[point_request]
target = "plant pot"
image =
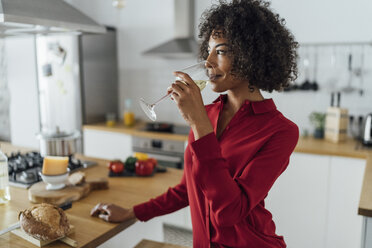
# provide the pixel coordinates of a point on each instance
(319, 133)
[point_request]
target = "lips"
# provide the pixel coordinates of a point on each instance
(213, 77)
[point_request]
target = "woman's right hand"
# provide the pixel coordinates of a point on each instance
(112, 212)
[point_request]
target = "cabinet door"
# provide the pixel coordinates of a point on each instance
(298, 201)
(344, 228)
(107, 145)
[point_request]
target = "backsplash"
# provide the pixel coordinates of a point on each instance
(4, 95)
(326, 64)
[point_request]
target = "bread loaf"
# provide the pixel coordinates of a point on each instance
(44, 222)
(77, 178)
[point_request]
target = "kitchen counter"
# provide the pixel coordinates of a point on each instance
(125, 192)
(136, 130)
(350, 148)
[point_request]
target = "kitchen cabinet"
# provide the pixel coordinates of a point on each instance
(317, 199)
(298, 201)
(344, 227)
(107, 145)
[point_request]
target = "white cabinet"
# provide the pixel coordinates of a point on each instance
(345, 184)
(315, 202)
(107, 145)
(298, 201)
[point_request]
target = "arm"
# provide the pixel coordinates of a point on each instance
(232, 199)
(174, 199)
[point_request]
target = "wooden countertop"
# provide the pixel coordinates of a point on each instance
(350, 148)
(153, 244)
(125, 192)
(136, 130)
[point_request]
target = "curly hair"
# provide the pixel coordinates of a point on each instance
(263, 50)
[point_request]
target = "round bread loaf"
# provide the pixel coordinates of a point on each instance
(44, 222)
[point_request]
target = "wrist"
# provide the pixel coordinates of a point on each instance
(201, 130)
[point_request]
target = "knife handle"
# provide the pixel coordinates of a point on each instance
(66, 205)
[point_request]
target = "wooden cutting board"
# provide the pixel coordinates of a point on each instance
(19, 232)
(38, 193)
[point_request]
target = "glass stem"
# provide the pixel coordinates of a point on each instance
(161, 99)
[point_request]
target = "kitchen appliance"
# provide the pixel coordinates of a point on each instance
(169, 153)
(23, 169)
(367, 135)
(77, 84)
(58, 143)
(22, 17)
(183, 45)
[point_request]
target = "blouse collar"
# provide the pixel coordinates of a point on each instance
(257, 107)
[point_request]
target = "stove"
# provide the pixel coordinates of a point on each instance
(24, 169)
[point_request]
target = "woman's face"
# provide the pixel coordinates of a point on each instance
(220, 58)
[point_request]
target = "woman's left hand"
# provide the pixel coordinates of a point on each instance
(188, 98)
(190, 104)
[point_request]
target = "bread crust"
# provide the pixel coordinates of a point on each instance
(44, 222)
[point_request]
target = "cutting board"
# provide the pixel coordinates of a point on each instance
(38, 193)
(19, 232)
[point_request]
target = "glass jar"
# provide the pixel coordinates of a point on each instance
(4, 179)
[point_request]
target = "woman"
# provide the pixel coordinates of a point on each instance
(239, 144)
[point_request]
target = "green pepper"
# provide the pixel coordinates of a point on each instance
(130, 164)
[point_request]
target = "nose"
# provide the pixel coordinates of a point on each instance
(210, 68)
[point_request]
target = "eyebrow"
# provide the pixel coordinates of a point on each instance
(221, 44)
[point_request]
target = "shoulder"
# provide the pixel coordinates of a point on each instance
(285, 127)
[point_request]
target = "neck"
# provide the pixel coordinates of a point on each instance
(235, 99)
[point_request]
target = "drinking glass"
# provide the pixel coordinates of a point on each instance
(199, 72)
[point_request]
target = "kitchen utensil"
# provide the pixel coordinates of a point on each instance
(38, 193)
(73, 243)
(315, 85)
(367, 134)
(64, 206)
(349, 88)
(306, 85)
(336, 121)
(199, 72)
(58, 143)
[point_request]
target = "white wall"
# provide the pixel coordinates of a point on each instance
(140, 27)
(143, 24)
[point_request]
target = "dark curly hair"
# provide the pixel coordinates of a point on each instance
(263, 50)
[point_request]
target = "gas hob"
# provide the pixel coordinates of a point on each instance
(23, 169)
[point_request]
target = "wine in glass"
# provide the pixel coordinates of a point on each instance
(199, 72)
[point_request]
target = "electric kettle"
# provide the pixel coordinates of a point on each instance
(367, 135)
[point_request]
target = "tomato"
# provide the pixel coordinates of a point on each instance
(153, 161)
(111, 163)
(144, 168)
(117, 167)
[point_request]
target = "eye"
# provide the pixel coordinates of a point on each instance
(221, 52)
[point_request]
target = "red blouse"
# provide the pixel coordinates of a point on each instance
(226, 179)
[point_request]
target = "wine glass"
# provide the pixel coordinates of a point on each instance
(199, 72)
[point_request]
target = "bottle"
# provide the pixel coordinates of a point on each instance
(128, 116)
(4, 179)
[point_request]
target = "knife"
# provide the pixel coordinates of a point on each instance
(64, 206)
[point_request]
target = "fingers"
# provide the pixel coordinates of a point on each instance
(183, 77)
(104, 217)
(96, 210)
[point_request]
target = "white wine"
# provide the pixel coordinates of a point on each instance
(201, 84)
(4, 179)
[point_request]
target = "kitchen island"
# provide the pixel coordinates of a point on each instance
(350, 149)
(89, 231)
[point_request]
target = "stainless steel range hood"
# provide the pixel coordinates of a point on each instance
(183, 45)
(22, 17)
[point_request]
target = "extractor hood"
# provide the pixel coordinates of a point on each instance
(183, 45)
(21, 17)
